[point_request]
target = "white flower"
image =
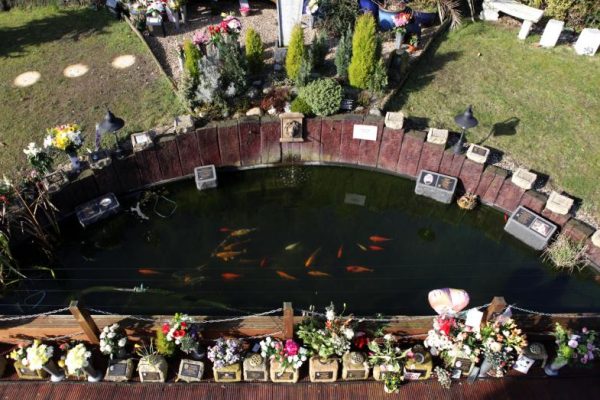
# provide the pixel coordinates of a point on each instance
(32, 150)
(48, 141)
(114, 327)
(103, 335)
(122, 342)
(349, 333)
(388, 337)
(111, 335)
(330, 314)
(102, 342)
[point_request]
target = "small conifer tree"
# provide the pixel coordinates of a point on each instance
(192, 55)
(295, 54)
(343, 54)
(254, 52)
(365, 54)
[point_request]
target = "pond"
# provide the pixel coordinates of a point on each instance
(309, 235)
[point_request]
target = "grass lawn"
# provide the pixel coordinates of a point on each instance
(540, 106)
(47, 40)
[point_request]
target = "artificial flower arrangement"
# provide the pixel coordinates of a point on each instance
(502, 343)
(230, 26)
(288, 354)
(573, 347)
(37, 358)
(39, 159)
(180, 330)
(38, 355)
(401, 20)
(113, 341)
(66, 138)
(77, 362)
(387, 360)
(226, 355)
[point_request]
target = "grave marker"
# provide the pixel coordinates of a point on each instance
(530, 228)
(551, 33)
(588, 42)
(436, 186)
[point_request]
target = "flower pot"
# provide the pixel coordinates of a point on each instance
(323, 370)
(486, 366)
(398, 41)
(92, 374)
(386, 19)
(75, 164)
(25, 373)
(256, 368)
(354, 366)
(552, 368)
(229, 373)
(411, 48)
(418, 367)
(281, 375)
(56, 375)
(369, 6)
(153, 369)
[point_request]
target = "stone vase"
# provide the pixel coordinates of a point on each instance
(354, 366)
(25, 373)
(56, 375)
(323, 370)
(75, 163)
(398, 40)
(283, 375)
(552, 368)
(256, 368)
(486, 366)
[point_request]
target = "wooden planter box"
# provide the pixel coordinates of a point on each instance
(25, 373)
(119, 370)
(323, 370)
(280, 375)
(156, 372)
(354, 366)
(230, 373)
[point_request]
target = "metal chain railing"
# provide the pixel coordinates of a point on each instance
(31, 316)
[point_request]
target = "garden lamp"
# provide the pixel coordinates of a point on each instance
(465, 120)
(112, 124)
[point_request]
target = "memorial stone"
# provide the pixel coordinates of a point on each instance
(436, 186)
(551, 33)
(588, 42)
(206, 177)
(530, 228)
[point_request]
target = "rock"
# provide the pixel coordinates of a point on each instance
(254, 111)
(559, 204)
(524, 178)
(375, 111)
(479, 154)
(596, 239)
(437, 136)
(393, 120)
(184, 124)
(359, 109)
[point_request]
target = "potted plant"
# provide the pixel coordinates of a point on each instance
(573, 347)
(388, 9)
(413, 44)
(401, 21)
(152, 366)
(502, 343)
(19, 355)
(286, 359)
(77, 362)
(226, 355)
(113, 342)
(66, 138)
(37, 358)
(245, 11)
(387, 360)
(326, 340)
(184, 335)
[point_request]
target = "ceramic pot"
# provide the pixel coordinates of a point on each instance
(92, 374)
(56, 375)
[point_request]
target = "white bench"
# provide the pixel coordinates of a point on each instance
(529, 15)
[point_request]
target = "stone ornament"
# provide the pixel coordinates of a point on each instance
(478, 154)
(354, 366)
(323, 370)
(418, 367)
(119, 370)
(524, 178)
(394, 120)
(437, 136)
(190, 370)
(229, 373)
(559, 204)
(255, 368)
(537, 352)
(141, 141)
(153, 370)
(280, 375)
(55, 181)
(291, 127)
(206, 177)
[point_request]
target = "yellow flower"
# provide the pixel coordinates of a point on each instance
(61, 363)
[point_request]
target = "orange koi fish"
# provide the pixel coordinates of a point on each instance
(360, 246)
(228, 276)
(148, 271)
(232, 246)
(356, 269)
(241, 232)
(286, 276)
(229, 255)
(378, 239)
(318, 273)
(312, 257)
(263, 262)
(340, 251)
(375, 248)
(224, 230)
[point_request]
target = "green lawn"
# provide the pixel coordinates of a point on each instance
(545, 104)
(49, 39)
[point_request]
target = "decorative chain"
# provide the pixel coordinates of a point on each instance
(263, 336)
(31, 316)
(525, 310)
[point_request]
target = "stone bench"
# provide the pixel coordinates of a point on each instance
(529, 15)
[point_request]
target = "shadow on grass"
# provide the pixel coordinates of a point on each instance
(71, 24)
(504, 128)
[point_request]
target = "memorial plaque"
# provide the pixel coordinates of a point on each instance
(97, 209)
(99, 159)
(206, 177)
(551, 33)
(151, 376)
(436, 186)
(226, 375)
(119, 370)
(412, 374)
(588, 42)
(365, 132)
(55, 181)
(190, 370)
(355, 199)
(530, 228)
(356, 374)
(255, 375)
(464, 365)
(323, 375)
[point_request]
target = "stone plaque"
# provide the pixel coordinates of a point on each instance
(285, 376)
(190, 370)
(551, 33)
(355, 199)
(97, 209)
(323, 375)
(588, 42)
(206, 177)
(365, 132)
(151, 376)
(119, 370)
(464, 365)
(436, 186)
(255, 375)
(412, 374)
(55, 181)
(99, 159)
(141, 141)
(289, 13)
(356, 374)
(530, 228)
(291, 127)
(226, 375)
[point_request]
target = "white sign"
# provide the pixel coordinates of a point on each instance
(588, 42)
(473, 320)
(551, 33)
(289, 14)
(523, 364)
(365, 132)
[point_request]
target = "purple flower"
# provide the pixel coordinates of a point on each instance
(584, 359)
(584, 330)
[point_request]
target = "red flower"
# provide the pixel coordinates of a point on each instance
(361, 341)
(183, 325)
(179, 333)
(166, 328)
(445, 325)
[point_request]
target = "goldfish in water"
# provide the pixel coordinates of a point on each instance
(224, 230)
(148, 271)
(360, 246)
(375, 248)
(263, 262)
(291, 246)
(286, 276)
(310, 260)
(241, 232)
(356, 269)
(318, 273)
(378, 239)
(228, 276)
(229, 255)
(340, 251)
(232, 246)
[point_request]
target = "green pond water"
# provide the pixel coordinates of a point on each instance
(309, 210)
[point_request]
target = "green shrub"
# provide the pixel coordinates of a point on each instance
(338, 15)
(304, 72)
(365, 53)
(343, 54)
(254, 52)
(319, 49)
(323, 96)
(163, 346)
(378, 81)
(187, 89)
(191, 56)
(566, 254)
(295, 54)
(577, 14)
(301, 106)
(233, 67)
(558, 8)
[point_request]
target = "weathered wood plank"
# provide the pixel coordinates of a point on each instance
(168, 157)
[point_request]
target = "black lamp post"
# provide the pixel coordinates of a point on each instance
(465, 120)
(112, 124)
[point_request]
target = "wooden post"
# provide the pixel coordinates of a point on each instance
(84, 319)
(497, 305)
(288, 321)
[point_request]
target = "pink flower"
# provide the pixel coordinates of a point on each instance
(584, 330)
(291, 347)
(401, 19)
(573, 343)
